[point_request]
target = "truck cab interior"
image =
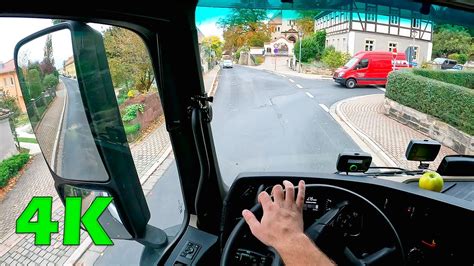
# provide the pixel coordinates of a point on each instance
(368, 217)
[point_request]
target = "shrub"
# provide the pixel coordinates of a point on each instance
(241, 49)
(312, 47)
(334, 59)
(461, 78)
(131, 129)
(131, 111)
(10, 167)
(450, 103)
(50, 81)
(460, 58)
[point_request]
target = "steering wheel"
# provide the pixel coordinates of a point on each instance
(330, 235)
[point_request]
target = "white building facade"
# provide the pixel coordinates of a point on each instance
(369, 27)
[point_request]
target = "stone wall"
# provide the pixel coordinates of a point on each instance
(429, 125)
(152, 110)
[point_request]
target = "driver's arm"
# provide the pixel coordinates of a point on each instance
(281, 226)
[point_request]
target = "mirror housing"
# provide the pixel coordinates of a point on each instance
(103, 118)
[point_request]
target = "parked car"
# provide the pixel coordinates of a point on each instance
(445, 62)
(369, 68)
(227, 63)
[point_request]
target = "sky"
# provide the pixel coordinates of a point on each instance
(13, 30)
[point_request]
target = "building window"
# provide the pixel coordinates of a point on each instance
(344, 44)
(278, 29)
(369, 45)
(5, 81)
(11, 80)
(415, 23)
(371, 12)
(391, 46)
(394, 20)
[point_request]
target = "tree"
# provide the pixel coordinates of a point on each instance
(449, 39)
(10, 103)
(305, 22)
(50, 81)
(312, 46)
(334, 59)
(213, 43)
(47, 65)
(34, 83)
(245, 27)
(129, 61)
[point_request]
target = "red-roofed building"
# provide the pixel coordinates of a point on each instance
(9, 84)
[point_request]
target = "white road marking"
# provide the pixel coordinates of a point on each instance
(283, 75)
(309, 95)
(299, 86)
(382, 89)
(291, 80)
(325, 108)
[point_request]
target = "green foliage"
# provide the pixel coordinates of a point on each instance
(460, 78)
(131, 111)
(132, 129)
(460, 58)
(10, 103)
(50, 81)
(129, 61)
(213, 44)
(450, 103)
(34, 83)
(10, 167)
(27, 140)
(334, 59)
(449, 39)
(312, 47)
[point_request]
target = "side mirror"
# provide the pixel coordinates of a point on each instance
(78, 125)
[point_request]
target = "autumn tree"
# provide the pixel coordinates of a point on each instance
(213, 43)
(305, 21)
(129, 61)
(245, 27)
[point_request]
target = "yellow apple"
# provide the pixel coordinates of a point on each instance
(431, 180)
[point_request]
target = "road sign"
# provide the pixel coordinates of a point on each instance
(275, 51)
(275, 45)
(394, 53)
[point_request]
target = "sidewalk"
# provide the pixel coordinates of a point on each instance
(279, 65)
(366, 115)
(152, 155)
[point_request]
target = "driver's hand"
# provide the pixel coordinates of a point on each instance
(282, 217)
(281, 226)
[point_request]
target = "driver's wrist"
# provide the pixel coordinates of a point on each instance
(299, 247)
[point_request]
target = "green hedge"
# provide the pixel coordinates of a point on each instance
(10, 167)
(132, 129)
(450, 103)
(461, 78)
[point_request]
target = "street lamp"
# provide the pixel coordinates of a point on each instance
(300, 35)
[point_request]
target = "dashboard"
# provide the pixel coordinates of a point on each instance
(434, 229)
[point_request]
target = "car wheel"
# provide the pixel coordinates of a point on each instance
(351, 83)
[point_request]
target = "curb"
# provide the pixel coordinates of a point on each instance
(60, 129)
(381, 158)
(214, 84)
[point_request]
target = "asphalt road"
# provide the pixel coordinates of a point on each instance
(78, 151)
(269, 122)
(262, 122)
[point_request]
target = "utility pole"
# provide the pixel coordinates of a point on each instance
(300, 34)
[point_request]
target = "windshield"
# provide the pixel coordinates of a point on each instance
(281, 108)
(351, 62)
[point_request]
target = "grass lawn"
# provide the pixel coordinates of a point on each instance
(27, 140)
